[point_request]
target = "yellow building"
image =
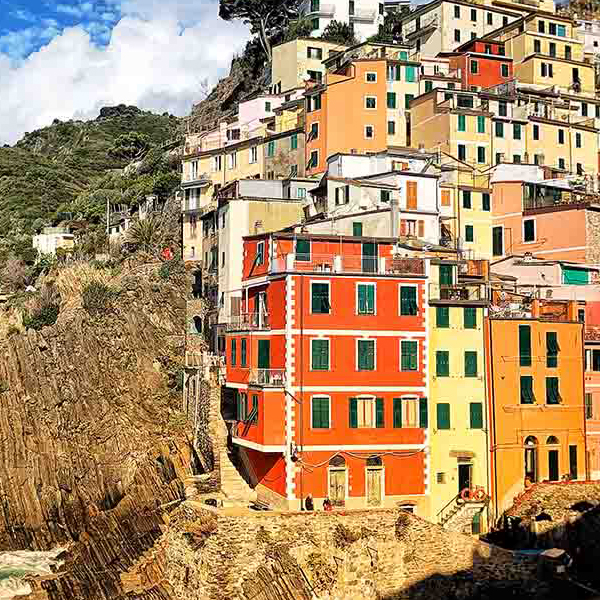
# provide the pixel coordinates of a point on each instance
(458, 423)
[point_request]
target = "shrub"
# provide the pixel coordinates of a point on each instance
(98, 297)
(12, 330)
(15, 275)
(170, 268)
(41, 317)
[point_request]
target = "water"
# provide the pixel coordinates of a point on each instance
(14, 566)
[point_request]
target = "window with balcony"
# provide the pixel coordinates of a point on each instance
(409, 355)
(470, 363)
(408, 301)
(365, 355)
(320, 412)
(319, 300)
(442, 363)
(552, 392)
(365, 298)
(319, 352)
(524, 345)
(527, 396)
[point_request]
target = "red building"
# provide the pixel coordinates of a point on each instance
(482, 63)
(327, 365)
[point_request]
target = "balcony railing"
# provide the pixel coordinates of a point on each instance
(323, 10)
(462, 292)
(336, 263)
(267, 377)
(248, 321)
(362, 14)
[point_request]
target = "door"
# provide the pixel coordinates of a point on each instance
(264, 354)
(262, 309)
(337, 486)
(553, 465)
(464, 477)
(369, 257)
(374, 485)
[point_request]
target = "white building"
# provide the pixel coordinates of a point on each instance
(364, 15)
(589, 31)
(52, 239)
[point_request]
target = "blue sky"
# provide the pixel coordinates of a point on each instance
(67, 59)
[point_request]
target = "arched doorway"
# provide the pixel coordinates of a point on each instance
(553, 462)
(531, 458)
(374, 481)
(337, 480)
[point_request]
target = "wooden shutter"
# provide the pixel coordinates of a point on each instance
(233, 352)
(443, 416)
(527, 396)
(551, 349)
(524, 345)
(442, 317)
(379, 413)
(421, 224)
(302, 250)
(411, 195)
(397, 413)
(476, 414)
(353, 413)
(445, 197)
(470, 364)
(573, 461)
(442, 365)
(470, 316)
(423, 413)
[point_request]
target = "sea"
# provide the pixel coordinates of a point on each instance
(15, 566)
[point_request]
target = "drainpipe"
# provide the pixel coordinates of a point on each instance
(585, 453)
(493, 412)
(487, 413)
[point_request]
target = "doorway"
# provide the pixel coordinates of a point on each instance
(369, 258)
(553, 465)
(264, 354)
(374, 481)
(337, 481)
(531, 458)
(465, 474)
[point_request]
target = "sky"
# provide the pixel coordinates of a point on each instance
(68, 59)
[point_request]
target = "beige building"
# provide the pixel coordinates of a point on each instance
(53, 239)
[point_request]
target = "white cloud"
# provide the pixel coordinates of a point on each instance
(149, 60)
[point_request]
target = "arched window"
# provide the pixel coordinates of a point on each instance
(374, 461)
(197, 324)
(552, 441)
(531, 459)
(337, 461)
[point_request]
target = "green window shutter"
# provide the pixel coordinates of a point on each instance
(397, 413)
(476, 415)
(320, 298)
(407, 100)
(320, 355)
(295, 141)
(442, 317)
(575, 276)
(443, 416)
(527, 389)
(379, 413)
(469, 236)
(353, 408)
(551, 349)
(524, 345)
(552, 393)
(410, 73)
(466, 199)
(233, 352)
(366, 299)
(470, 317)
(357, 229)
(470, 363)
(409, 355)
(442, 363)
(423, 413)
(391, 100)
(485, 201)
(445, 274)
(303, 250)
(462, 123)
(480, 124)
(320, 413)
(428, 86)
(243, 353)
(408, 300)
(366, 355)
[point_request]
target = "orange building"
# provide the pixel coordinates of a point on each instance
(327, 366)
(534, 357)
(592, 398)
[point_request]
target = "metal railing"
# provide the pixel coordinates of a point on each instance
(461, 292)
(267, 377)
(248, 321)
(324, 10)
(363, 14)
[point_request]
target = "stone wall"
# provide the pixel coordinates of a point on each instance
(592, 226)
(379, 554)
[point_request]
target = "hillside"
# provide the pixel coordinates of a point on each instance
(52, 166)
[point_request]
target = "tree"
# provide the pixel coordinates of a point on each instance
(130, 146)
(391, 30)
(338, 32)
(301, 28)
(266, 18)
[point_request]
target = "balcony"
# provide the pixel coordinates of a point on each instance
(461, 292)
(317, 9)
(592, 334)
(248, 322)
(362, 15)
(267, 377)
(336, 263)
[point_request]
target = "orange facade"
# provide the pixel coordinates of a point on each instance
(334, 370)
(482, 64)
(536, 402)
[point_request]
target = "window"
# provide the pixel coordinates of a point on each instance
(410, 412)
(470, 363)
(561, 31)
(365, 350)
(589, 407)
(502, 108)
(442, 317)
(319, 300)
(351, 7)
(524, 345)
(442, 363)
(552, 349)
(371, 102)
(485, 201)
(474, 67)
(462, 152)
(271, 149)
(314, 159)
(516, 159)
(243, 353)
(443, 415)
(490, 18)
(498, 157)
(320, 413)
(369, 132)
(301, 193)
(217, 163)
(366, 412)
(561, 163)
(480, 154)
(365, 298)
(552, 393)
(536, 132)
(595, 360)
(357, 229)
(504, 70)
(386, 195)
(462, 123)
(267, 106)
(579, 168)
(253, 155)
(319, 355)
(314, 23)
(542, 26)
(407, 100)
(314, 132)
(315, 76)
(499, 127)
(233, 160)
(537, 46)
(561, 136)
(466, 198)
(527, 396)
(456, 12)
(473, 15)
(470, 317)
(371, 77)
(302, 250)
(480, 124)
(468, 233)
(294, 141)
(552, 49)
(408, 301)
(573, 462)
(578, 140)
(428, 86)
(409, 355)
(476, 415)
(504, 22)
(516, 131)
(233, 352)
(457, 35)
(391, 127)
(260, 253)
(529, 230)
(391, 99)
(410, 74)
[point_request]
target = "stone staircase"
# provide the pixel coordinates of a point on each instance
(459, 517)
(234, 487)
